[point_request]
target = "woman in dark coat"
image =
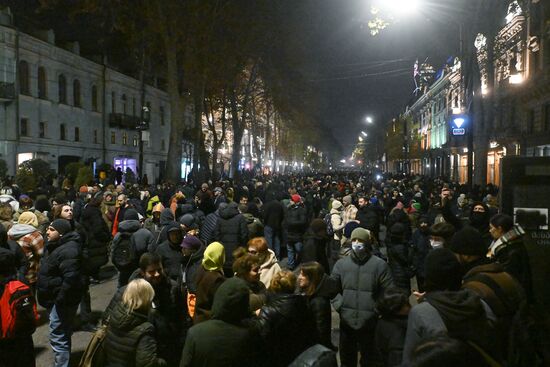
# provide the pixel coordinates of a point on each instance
(98, 236)
(316, 244)
(398, 257)
(285, 323)
(130, 337)
(316, 286)
(247, 267)
(208, 279)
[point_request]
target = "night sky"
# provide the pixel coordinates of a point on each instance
(345, 56)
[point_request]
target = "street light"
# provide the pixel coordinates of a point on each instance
(399, 7)
(360, 139)
(369, 120)
(364, 134)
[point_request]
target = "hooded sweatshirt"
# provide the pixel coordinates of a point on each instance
(32, 243)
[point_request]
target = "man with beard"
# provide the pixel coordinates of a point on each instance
(166, 316)
(359, 277)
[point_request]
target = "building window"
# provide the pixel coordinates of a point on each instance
(24, 127)
(547, 117)
(124, 139)
(24, 78)
(62, 132)
(42, 83)
(162, 145)
(135, 140)
(124, 105)
(76, 93)
(76, 134)
(113, 102)
(42, 129)
(161, 111)
(134, 106)
(94, 98)
(95, 136)
(62, 85)
(531, 122)
(113, 137)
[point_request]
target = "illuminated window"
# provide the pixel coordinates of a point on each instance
(113, 137)
(135, 141)
(124, 139)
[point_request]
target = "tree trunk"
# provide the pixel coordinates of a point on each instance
(177, 113)
(238, 132)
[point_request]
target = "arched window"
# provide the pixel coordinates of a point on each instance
(42, 83)
(76, 93)
(62, 132)
(62, 85)
(76, 134)
(24, 77)
(94, 98)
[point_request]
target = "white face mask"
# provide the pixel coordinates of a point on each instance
(360, 249)
(436, 244)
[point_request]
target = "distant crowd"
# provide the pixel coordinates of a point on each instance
(248, 272)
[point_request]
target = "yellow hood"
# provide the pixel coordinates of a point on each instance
(214, 257)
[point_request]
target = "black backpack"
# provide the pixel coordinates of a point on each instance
(124, 254)
(328, 222)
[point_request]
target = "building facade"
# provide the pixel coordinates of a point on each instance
(61, 107)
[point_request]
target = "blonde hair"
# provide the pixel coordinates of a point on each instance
(283, 282)
(138, 295)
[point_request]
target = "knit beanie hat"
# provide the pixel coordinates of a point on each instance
(214, 257)
(188, 220)
(361, 234)
(468, 241)
(373, 200)
(191, 242)
(443, 271)
(131, 214)
(336, 204)
(28, 218)
(296, 198)
(63, 226)
(349, 228)
(346, 199)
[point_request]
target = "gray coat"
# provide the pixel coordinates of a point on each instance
(359, 282)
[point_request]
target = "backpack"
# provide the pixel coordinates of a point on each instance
(328, 221)
(18, 311)
(94, 353)
(124, 254)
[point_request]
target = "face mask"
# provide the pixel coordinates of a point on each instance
(436, 244)
(478, 217)
(359, 249)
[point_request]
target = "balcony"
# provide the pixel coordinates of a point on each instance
(123, 121)
(7, 91)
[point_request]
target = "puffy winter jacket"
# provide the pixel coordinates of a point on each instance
(398, 257)
(315, 249)
(172, 259)
(60, 279)
(286, 324)
(130, 340)
(319, 303)
(359, 282)
(296, 222)
(98, 235)
(209, 227)
(231, 231)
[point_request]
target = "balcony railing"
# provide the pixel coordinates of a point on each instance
(7, 91)
(123, 121)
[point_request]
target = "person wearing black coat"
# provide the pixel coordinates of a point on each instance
(296, 225)
(398, 257)
(20, 259)
(231, 231)
(316, 244)
(420, 245)
(286, 323)
(167, 220)
(60, 285)
(319, 290)
(170, 253)
(130, 338)
(98, 236)
(368, 216)
(209, 225)
(273, 216)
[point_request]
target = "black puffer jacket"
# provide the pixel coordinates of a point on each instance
(172, 259)
(286, 324)
(296, 222)
(60, 279)
(21, 261)
(398, 258)
(209, 227)
(319, 303)
(274, 215)
(166, 221)
(315, 249)
(368, 218)
(231, 231)
(130, 340)
(98, 237)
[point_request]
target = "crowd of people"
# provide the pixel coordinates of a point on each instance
(248, 273)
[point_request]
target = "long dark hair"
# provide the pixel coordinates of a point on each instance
(314, 273)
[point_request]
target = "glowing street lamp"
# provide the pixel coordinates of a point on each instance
(369, 120)
(360, 139)
(364, 134)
